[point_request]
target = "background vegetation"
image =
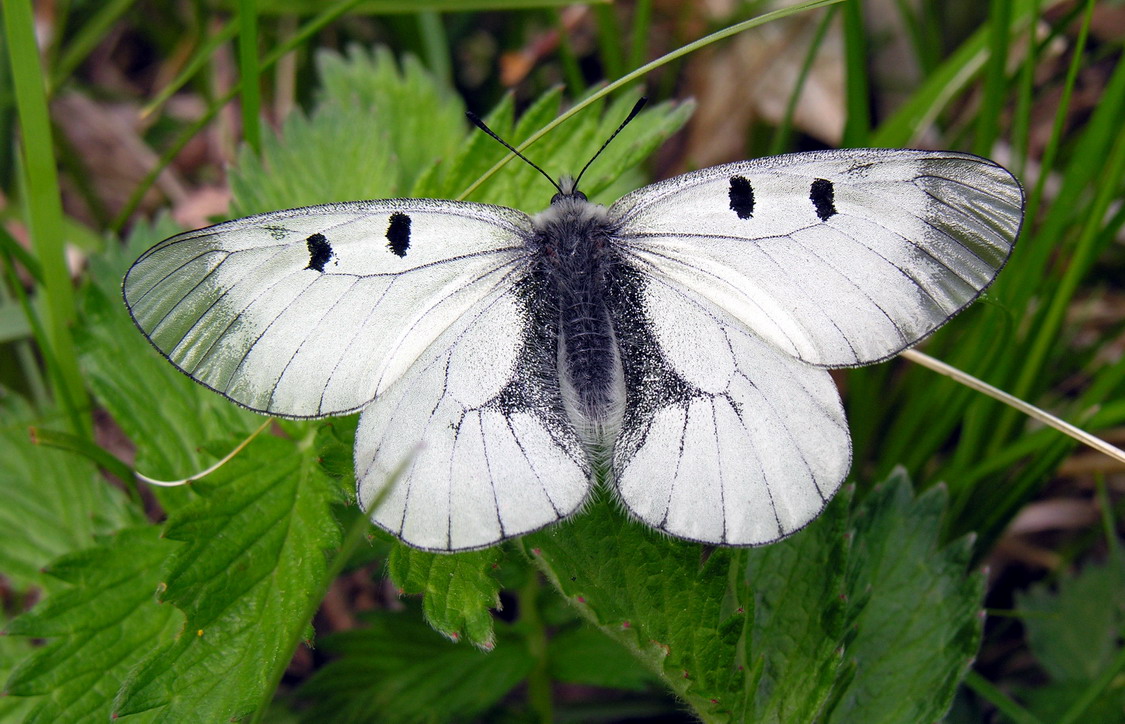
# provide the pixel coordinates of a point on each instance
(259, 593)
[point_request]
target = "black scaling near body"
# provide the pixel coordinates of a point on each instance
(572, 244)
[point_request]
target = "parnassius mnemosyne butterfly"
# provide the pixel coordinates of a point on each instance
(679, 338)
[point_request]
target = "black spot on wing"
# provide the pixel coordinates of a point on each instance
(741, 197)
(823, 197)
(398, 234)
(320, 251)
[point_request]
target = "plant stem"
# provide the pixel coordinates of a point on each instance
(539, 680)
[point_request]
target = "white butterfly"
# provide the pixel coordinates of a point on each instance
(679, 338)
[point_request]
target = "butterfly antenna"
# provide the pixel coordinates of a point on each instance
(632, 114)
(480, 124)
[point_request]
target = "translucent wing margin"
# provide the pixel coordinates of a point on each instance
(312, 312)
(726, 439)
(837, 257)
(473, 446)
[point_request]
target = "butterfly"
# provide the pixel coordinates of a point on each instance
(678, 341)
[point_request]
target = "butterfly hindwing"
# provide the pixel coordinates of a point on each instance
(726, 439)
(474, 445)
(836, 257)
(312, 312)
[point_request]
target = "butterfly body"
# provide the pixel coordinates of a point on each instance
(572, 248)
(678, 338)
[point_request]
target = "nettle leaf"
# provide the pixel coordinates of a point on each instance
(917, 614)
(48, 497)
(584, 655)
(13, 649)
(374, 132)
(398, 669)
(1074, 629)
(458, 590)
(668, 602)
(795, 595)
(876, 624)
(334, 155)
(418, 117)
(97, 629)
(251, 572)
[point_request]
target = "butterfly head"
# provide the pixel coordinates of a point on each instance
(568, 189)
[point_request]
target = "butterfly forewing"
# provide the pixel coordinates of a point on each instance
(312, 312)
(837, 257)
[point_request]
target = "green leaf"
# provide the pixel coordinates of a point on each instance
(375, 130)
(12, 650)
(1075, 630)
(248, 579)
(335, 155)
(97, 629)
(1051, 702)
(664, 600)
(874, 625)
(418, 117)
(795, 595)
(917, 614)
(458, 590)
(397, 669)
(48, 497)
(584, 655)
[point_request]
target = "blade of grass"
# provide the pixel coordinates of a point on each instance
(609, 41)
(1050, 152)
(206, 471)
(638, 41)
(1016, 403)
(995, 77)
(781, 136)
(1021, 120)
(942, 85)
(1093, 145)
(25, 355)
(922, 32)
(857, 126)
(250, 75)
(1031, 365)
(436, 46)
(993, 695)
(44, 211)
